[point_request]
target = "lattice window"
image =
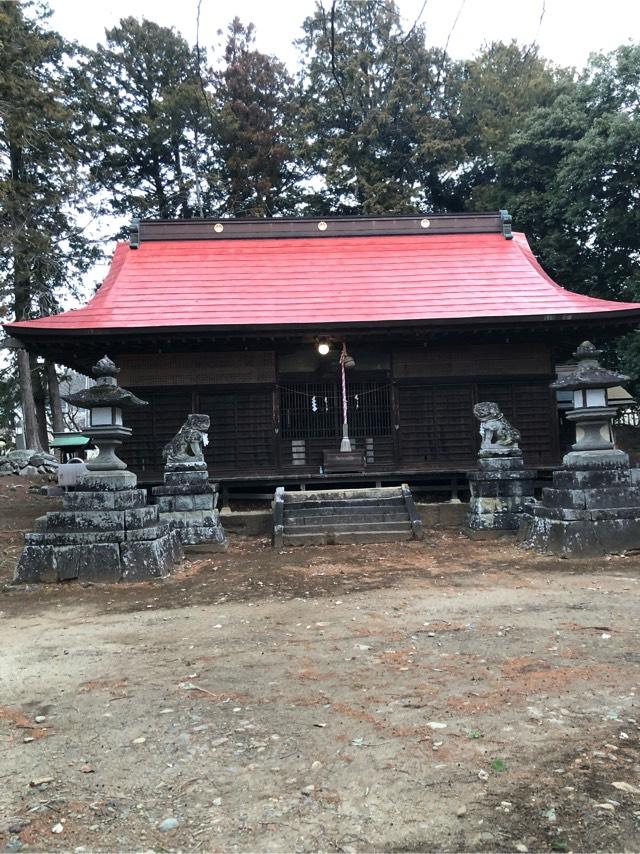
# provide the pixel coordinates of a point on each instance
(314, 410)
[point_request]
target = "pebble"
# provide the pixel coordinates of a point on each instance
(57, 828)
(482, 775)
(140, 740)
(40, 719)
(436, 725)
(521, 847)
(461, 811)
(168, 824)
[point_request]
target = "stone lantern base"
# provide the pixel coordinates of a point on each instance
(592, 509)
(105, 532)
(187, 504)
(499, 489)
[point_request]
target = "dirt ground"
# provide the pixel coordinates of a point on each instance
(438, 696)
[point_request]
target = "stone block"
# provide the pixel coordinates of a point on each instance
(36, 565)
(100, 563)
(67, 561)
(614, 513)
(613, 496)
(186, 467)
(182, 478)
(130, 499)
(183, 502)
(581, 479)
(204, 501)
(568, 514)
(80, 521)
(145, 559)
(552, 497)
(141, 518)
(107, 481)
(206, 542)
(150, 533)
(197, 488)
(79, 538)
(165, 503)
(88, 501)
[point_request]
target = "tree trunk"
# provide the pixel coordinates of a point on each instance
(55, 404)
(30, 422)
(40, 398)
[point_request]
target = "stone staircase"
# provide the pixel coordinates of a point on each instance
(331, 516)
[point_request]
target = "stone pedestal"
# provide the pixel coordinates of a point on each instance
(187, 504)
(499, 490)
(105, 532)
(592, 509)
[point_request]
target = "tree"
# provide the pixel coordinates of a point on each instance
(497, 91)
(146, 111)
(42, 181)
(255, 109)
(375, 116)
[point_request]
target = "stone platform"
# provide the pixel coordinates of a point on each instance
(187, 505)
(105, 532)
(590, 510)
(499, 490)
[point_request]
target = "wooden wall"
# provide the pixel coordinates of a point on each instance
(429, 393)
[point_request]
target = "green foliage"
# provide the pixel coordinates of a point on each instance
(497, 91)
(375, 122)
(145, 109)
(255, 107)
(499, 764)
(43, 190)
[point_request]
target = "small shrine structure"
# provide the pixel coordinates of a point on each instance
(106, 530)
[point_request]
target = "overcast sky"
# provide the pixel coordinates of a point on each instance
(567, 30)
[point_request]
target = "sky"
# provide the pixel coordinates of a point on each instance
(566, 30)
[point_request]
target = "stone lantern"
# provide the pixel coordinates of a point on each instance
(593, 506)
(105, 401)
(591, 413)
(106, 531)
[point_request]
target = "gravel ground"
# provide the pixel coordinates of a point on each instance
(439, 696)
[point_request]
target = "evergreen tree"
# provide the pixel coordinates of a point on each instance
(375, 118)
(252, 142)
(145, 107)
(42, 181)
(497, 91)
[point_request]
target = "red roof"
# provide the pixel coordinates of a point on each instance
(323, 280)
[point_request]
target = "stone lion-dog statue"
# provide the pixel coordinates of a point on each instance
(498, 437)
(186, 447)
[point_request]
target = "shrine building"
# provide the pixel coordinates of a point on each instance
(246, 321)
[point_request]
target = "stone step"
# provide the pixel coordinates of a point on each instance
(344, 494)
(330, 519)
(338, 527)
(317, 503)
(363, 510)
(344, 537)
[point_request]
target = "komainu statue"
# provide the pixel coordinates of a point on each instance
(498, 437)
(186, 445)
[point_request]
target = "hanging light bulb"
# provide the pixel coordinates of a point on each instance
(323, 348)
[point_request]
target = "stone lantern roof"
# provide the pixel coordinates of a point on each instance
(106, 392)
(588, 373)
